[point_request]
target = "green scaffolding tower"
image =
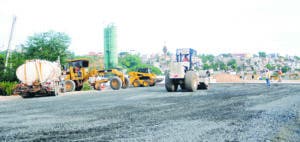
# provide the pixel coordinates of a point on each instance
(110, 47)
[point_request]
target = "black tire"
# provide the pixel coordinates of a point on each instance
(78, 88)
(146, 83)
(125, 84)
(182, 86)
(169, 84)
(70, 86)
(136, 83)
(175, 87)
(191, 81)
(27, 95)
(115, 83)
(202, 86)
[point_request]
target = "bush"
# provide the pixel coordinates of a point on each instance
(86, 86)
(7, 88)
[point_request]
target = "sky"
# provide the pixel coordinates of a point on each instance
(209, 26)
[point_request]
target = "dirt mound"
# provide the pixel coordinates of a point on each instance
(223, 77)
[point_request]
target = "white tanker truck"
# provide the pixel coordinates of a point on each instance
(38, 77)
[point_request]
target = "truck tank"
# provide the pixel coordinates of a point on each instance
(38, 70)
(38, 77)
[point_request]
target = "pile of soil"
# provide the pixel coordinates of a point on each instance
(224, 77)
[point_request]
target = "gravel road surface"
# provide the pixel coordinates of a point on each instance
(225, 112)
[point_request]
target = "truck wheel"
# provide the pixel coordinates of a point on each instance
(115, 83)
(69, 85)
(136, 83)
(182, 86)
(191, 81)
(169, 84)
(202, 86)
(125, 84)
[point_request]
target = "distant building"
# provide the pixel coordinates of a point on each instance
(92, 53)
(242, 55)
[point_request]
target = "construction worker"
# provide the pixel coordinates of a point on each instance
(279, 75)
(268, 76)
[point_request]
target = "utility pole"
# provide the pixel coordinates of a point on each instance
(9, 42)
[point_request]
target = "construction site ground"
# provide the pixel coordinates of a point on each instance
(225, 112)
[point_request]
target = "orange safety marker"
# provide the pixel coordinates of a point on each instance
(102, 86)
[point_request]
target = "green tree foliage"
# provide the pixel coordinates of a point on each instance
(15, 60)
(227, 55)
(232, 64)
(262, 54)
(270, 67)
(219, 65)
(206, 66)
(7, 88)
(130, 61)
(207, 58)
(47, 45)
(285, 69)
(133, 62)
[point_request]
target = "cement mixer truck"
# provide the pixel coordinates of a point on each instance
(38, 77)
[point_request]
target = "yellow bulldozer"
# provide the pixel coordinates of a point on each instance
(142, 77)
(77, 72)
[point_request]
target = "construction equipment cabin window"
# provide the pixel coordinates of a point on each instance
(81, 63)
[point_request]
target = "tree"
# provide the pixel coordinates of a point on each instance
(207, 58)
(262, 54)
(133, 62)
(270, 67)
(47, 45)
(232, 64)
(130, 61)
(285, 69)
(206, 66)
(15, 60)
(226, 55)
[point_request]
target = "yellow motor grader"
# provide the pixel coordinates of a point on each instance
(77, 72)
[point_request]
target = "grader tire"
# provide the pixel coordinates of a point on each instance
(191, 81)
(125, 84)
(169, 84)
(78, 88)
(115, 83)
(69, 85)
